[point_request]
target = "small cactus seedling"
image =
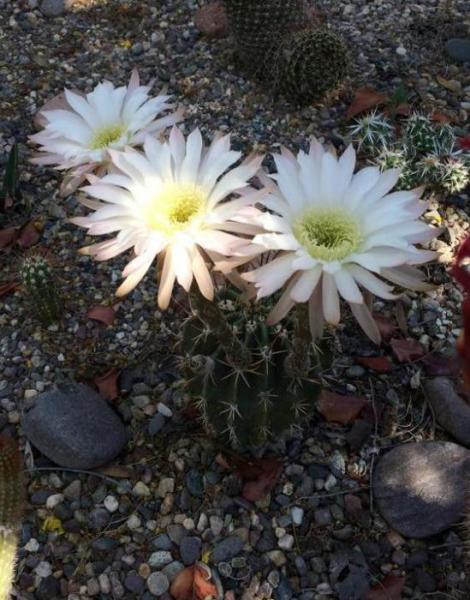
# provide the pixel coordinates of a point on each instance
(11, 505)
(455, 175)
(40, 284)
(420, 134)
(249, 381)
(373, 133)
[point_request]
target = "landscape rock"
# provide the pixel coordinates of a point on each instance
(74, 427)
(227, 549)
(450, 410)
(459, 49)
(420, 487)
(53, 8)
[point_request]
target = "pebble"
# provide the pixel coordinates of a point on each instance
(297, 514)
(32, 545)
(227, 549)
(459, 49)
(451, 411)
(166, 486)
(160, 559)
(133, 522)
(111, 503)
(43, 569)
(158, 584)
(286, 542)
(52, 8)
(216, 525)
(190, 549)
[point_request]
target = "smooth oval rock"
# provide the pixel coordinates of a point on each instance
(53, 8)
(459, 49)
(420, 487)
(450, 410)
(74, 427)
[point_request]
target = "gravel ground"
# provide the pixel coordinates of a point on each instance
(167, 502)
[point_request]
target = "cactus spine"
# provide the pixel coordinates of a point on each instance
(275, 43)
(40, 284)
(11, 501)
(249, 381)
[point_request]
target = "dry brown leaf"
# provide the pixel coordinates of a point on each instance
(389, 588)
(28, 236)
(194, 583)
(380, 364)
(406, 350)
(107, 384)
(365, 99)
(103, 314)
(8, 236)
(9, 286)
(337, 408)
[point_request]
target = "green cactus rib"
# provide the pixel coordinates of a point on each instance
(11, 505)
(40, 285)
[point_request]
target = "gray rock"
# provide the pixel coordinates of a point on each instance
(284, 590)
(420, 487)
(451, 411)
(74, 427)
(158, 584)
(172, 570)
(160, 559)
(162, 542)
(190, 550)
(227, 549)
(459, 49)
(52, 8)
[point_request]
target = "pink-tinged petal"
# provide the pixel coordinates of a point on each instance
(178, 148)
(283, 306)
(182, 265)
(365, 319)
(219, 241)
(134, 81)
(167, 281)
(278, 241)
(379, 257)
(371, 282)
(202, 276)
(347, 287)
(190, 165)
(407, 279)
(81, 106)
(331, 307)
(137, 270)
(306, 284)
(315, 313)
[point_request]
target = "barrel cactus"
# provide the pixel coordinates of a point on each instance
(250, 382)
(275, 43)
(40, 285)
(11, 504)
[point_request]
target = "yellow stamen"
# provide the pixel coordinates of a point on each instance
(328, 235)
(175, 208)
(106, 136)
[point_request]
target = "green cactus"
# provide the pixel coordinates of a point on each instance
(309, 64)
(455, 175)
(257, 27)
(373, 133)
(249, 381)
(11, 506)
(10, 188)
(40, 284)
(420, 134)
(276, 44)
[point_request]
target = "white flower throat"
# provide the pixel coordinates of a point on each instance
(175, 208)
(329, 234)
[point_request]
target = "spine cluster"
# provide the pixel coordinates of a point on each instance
(40, 284)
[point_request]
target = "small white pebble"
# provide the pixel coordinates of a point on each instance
(43, 569)
(164, 410)
(401, 51)
(140, 489)
(32, 545)
(286, 542)
(133, 522)
(111, 504)
(54, 501)
(297, 515)
(30, 393)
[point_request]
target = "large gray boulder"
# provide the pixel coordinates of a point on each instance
(74, 427)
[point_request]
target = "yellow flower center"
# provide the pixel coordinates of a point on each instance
(175, 207)
(328, 235)
(106, 136)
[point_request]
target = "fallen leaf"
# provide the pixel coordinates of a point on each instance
(386, 327)
(365, 99)
(6, 288)
(464, 143)
(211, 19)
(381, 364)
(194, 583)
(107, 384)
(260, 477)
(389, 588)
(118, 471)
(103, 314)
(28, 236)
(8, 236)
(406, 350)
(337, 408)
(437, 364)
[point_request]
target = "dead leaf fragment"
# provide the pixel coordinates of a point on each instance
(28, 236)
(449, 84)
(8, 236)
(103, 314)
(337, 408)
(9, 286)
(107, 384)
(406, 350)
(365, 99)
(194, 583)
(260, 477)
(389, 588)
(380, 364)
